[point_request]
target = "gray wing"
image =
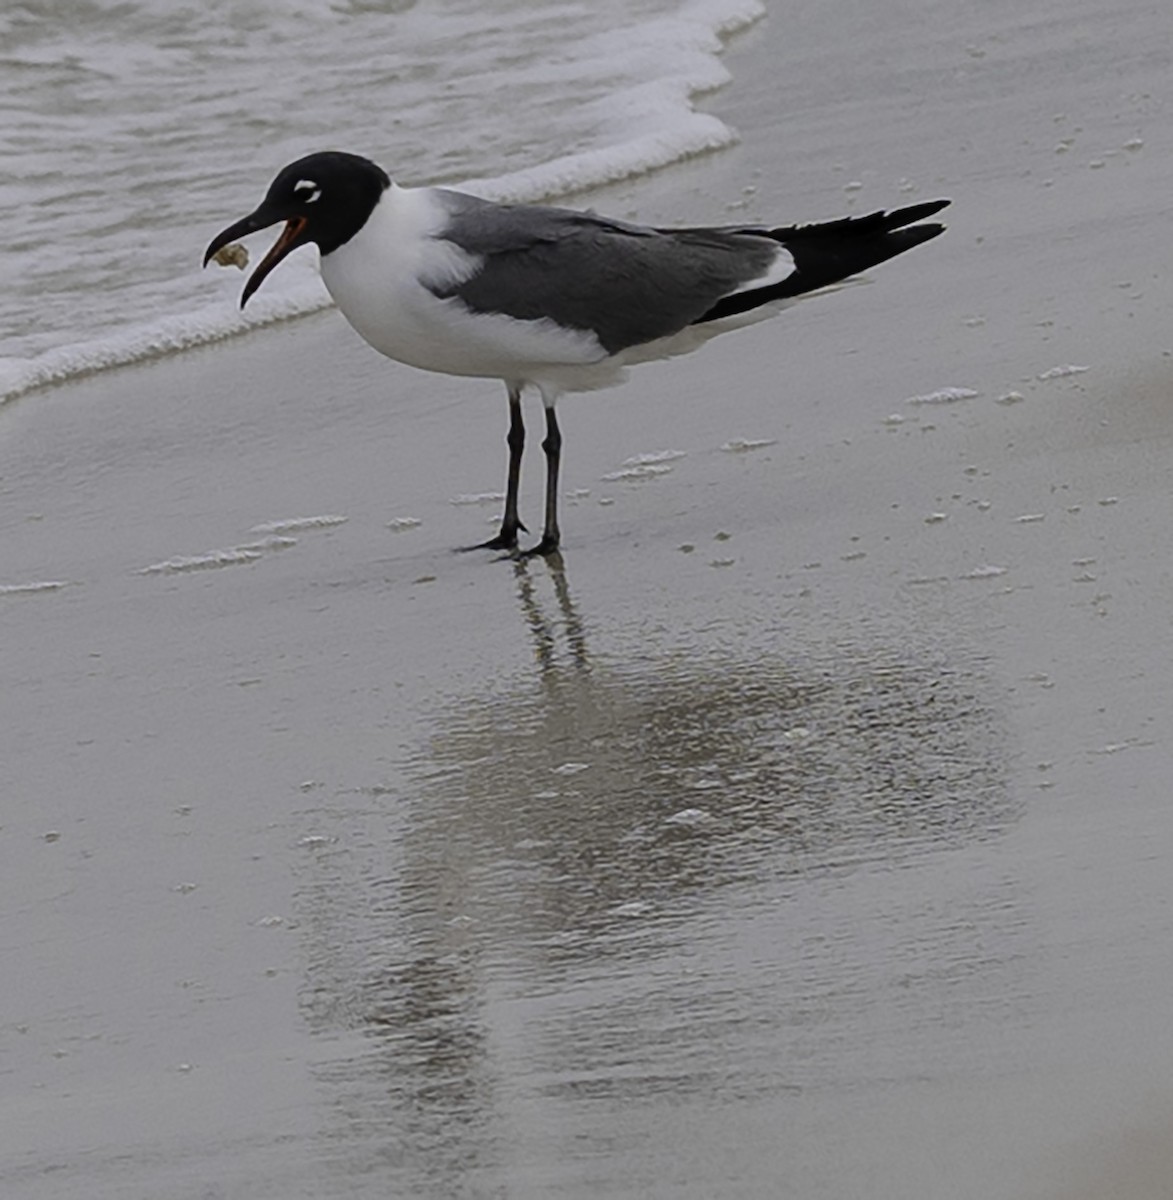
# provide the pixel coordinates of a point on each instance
(627, 284)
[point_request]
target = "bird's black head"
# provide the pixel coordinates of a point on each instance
(324, 198)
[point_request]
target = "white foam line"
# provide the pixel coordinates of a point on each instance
(234, 556)
(211, 561)
(745, 445)
(655, 123)
(655, 456)
(29, 589)
(167, 336)
(590, 169)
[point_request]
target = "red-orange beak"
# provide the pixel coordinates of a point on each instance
(292, 236)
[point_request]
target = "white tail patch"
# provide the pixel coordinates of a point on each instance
(781, 268)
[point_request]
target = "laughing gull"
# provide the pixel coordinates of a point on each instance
(549, 297)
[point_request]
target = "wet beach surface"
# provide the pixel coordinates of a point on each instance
(730, 855)
(805, 832)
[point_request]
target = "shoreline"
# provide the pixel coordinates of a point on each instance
(696, 133)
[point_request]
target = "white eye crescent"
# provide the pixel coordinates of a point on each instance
(308, 185)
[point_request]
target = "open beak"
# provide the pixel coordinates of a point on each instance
(292, 236)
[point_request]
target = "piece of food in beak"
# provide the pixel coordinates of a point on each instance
(232, 255)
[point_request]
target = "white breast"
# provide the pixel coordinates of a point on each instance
(378, 281)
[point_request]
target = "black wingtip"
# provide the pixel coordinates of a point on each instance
(880, 222)
(901, 217)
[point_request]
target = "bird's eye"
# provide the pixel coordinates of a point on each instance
(307, 185)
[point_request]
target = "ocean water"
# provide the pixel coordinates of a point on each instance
(134, 130)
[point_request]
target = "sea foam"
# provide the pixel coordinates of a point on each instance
(167, 335)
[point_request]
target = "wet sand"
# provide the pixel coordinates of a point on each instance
(806, 833)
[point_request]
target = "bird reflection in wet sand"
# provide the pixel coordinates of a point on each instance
(633, 780)
(558, 878)
(543, 630)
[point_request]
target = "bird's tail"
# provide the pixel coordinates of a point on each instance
(832, 251)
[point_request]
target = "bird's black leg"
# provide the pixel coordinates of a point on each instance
(552, 445)
(515, 440)
(511, 524)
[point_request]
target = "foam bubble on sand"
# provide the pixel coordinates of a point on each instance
(213, 560)
(274, 542)
(233, 556)
(403, 524)
(745, 445)
(1062, 372)
(298, 524)
(654, 456)
(945, 395)
(477, 498)
(638, 473)
(31, 589)
(689, 817)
